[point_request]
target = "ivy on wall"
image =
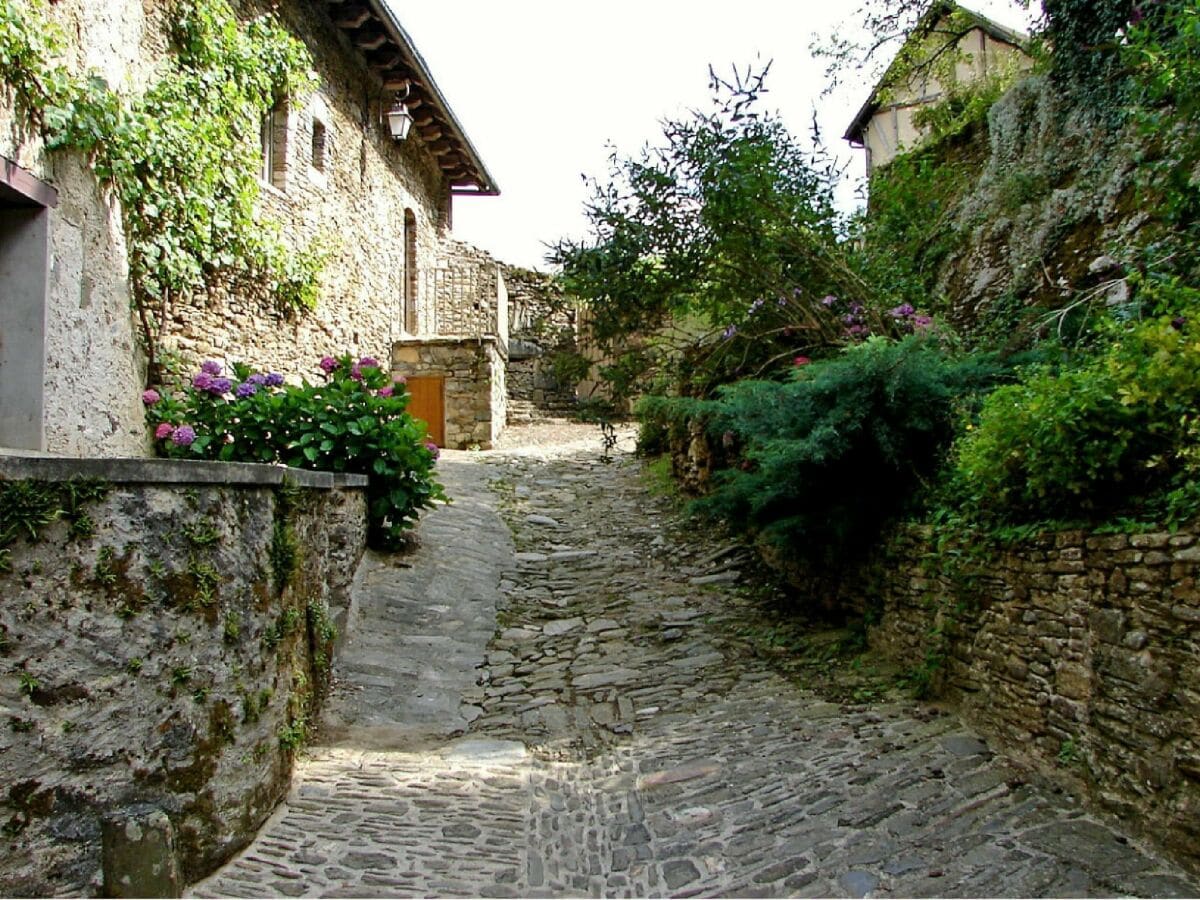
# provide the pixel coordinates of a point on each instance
(183, 157)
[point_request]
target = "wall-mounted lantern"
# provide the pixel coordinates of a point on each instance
(399, 119)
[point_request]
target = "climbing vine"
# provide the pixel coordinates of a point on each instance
(182, 157)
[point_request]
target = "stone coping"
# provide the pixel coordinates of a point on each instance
(136, 470)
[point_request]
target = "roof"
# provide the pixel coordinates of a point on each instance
(372, 27)
(931, 17)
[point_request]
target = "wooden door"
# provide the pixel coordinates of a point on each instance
(427, 402)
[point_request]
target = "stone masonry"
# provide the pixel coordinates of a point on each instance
(1070, 648)
(621, 737)
(157, 650)
(474, 396)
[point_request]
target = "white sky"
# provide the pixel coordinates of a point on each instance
(544, 87)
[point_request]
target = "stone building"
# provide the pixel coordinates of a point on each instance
(71, 370)
(926, 69)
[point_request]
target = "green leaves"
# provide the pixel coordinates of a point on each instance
(343, 425)
(183, 157)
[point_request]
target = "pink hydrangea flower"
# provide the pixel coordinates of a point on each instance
(151, 396)
(356, 372)
(369, 361)
(433, 448)
(163, 431)
(400, 379)
(386, 391)
(328, 364)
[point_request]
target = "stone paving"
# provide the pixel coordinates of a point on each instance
(615, 736)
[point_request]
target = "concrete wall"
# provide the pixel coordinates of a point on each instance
(153, 661)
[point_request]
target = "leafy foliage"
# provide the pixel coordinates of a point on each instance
(1104, 435)
(695, 241)
(822, 461)
(355, 422)
(182, 158)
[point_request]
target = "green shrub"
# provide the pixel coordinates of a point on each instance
(820, 462)
(355, 422)
(1099, 437)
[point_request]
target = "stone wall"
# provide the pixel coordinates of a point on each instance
(467, 289)
(161, 653)
(542, 324)
(353, 199)
(92, 374)
(1080, 651)
(475, 397)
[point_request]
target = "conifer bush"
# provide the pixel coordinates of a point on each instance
(821, 461)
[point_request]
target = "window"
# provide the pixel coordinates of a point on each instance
(319, 148)
(273, 137)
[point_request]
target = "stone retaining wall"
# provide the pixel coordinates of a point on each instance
(1080, 651)
(160, 652)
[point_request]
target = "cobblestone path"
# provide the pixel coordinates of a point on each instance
(615, 737)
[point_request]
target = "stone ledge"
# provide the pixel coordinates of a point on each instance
(170, 471)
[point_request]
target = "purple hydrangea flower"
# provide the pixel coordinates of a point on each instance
(356, 372)
(274, 379)
(903, 311)
(386, 391)
(151, 396)
(328, 364)
(210, 367)
(202, 382)
(257, 378)
(246, 389)
(183, 436)
(368, 361)
(433, 448)
(220, 386)
(163, 431)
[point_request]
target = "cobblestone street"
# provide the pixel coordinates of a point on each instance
(553, 696)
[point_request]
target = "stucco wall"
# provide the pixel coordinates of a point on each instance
(892, 130)
(157, 660)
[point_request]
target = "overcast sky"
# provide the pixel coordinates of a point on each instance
(544, 88)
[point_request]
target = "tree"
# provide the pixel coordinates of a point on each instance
(728, 225)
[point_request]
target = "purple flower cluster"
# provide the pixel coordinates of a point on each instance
(907, 318)
(151, 396)
(183, 436)
(218, 385)
(247, 388)
(433, 448)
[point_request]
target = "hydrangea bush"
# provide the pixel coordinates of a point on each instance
(354, 422)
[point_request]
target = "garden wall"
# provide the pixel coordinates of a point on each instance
(1081, 651)
(162, 646)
